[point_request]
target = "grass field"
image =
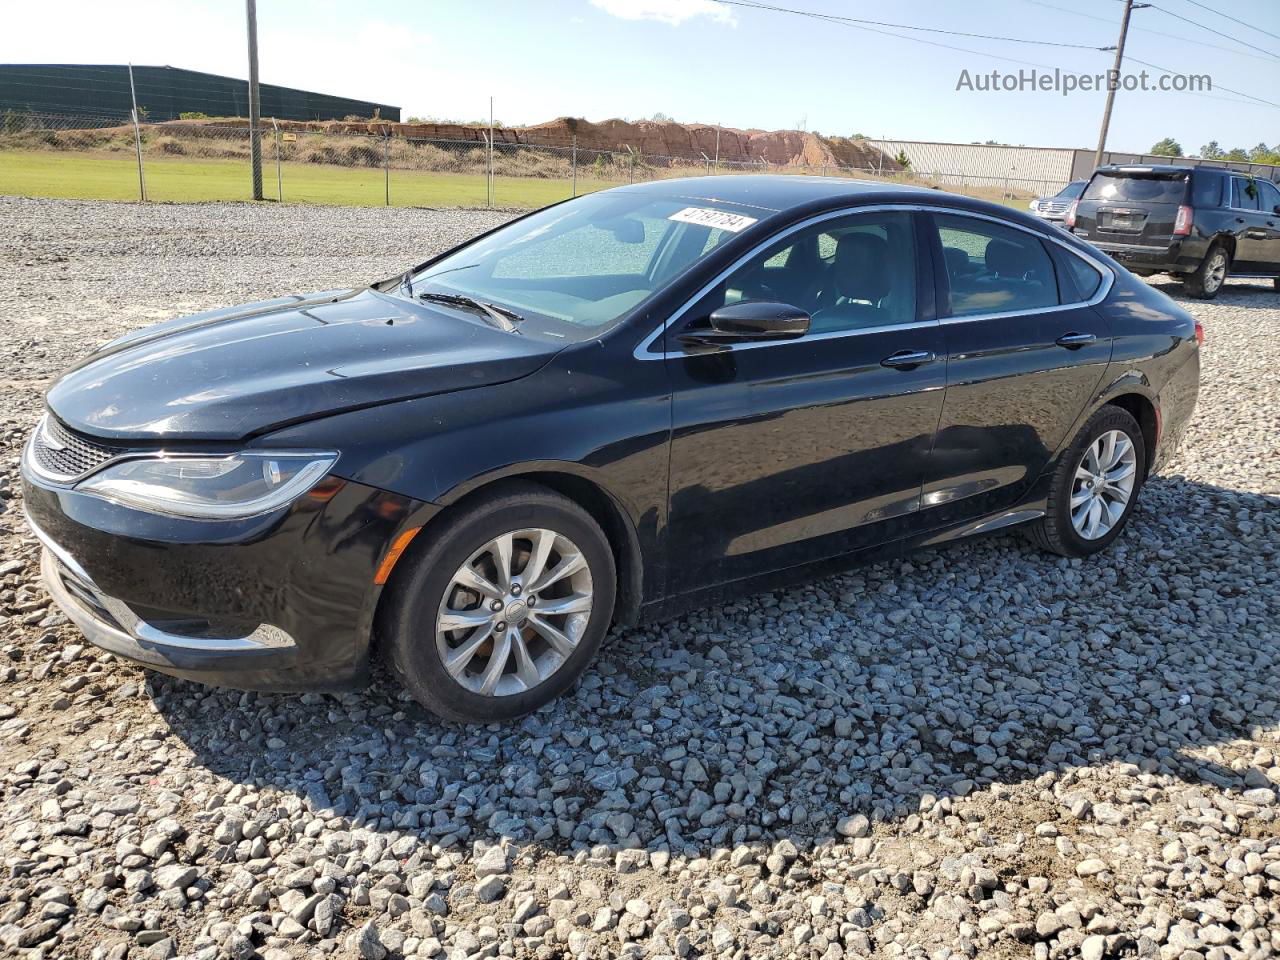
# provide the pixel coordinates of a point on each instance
(114, 176)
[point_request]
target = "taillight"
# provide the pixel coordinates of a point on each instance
(1199, 332)
(1070, 219)
(1182, 225)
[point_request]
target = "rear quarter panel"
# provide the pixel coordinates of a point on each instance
(1155, 356)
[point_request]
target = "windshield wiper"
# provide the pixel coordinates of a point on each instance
(501, 317)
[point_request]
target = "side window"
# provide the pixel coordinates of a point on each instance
(1206, 189)
(993, 268)
(1269, 195)
(1084, 276)
(1244, 195)
(855, 272)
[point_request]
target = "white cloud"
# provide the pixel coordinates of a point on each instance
(674, 12)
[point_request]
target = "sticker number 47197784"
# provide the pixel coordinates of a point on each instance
(707, 217)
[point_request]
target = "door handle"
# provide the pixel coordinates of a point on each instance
(905, 359)
(1073, 341)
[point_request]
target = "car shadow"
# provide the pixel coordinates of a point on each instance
(1238, 292)
(883, 691)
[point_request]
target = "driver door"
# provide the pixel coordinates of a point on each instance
(791, 451)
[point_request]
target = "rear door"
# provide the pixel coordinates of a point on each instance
(1025, 353)
(1132, 207)
(1253, 227)
(1269, 195)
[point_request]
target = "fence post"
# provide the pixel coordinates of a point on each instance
(137, 138)
(880, 163)
(574, 164)
(633, 166)
(386, 165)
(488, 177)
(275, 126)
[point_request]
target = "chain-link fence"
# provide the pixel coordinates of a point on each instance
(114, 158)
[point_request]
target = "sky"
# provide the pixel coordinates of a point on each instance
(705, 61)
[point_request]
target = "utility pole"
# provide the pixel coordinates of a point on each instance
(717, 146)
(137, 136)
(1113, 80)
(255, 139)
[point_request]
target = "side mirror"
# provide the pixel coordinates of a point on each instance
(750, 320)
(1276, 208)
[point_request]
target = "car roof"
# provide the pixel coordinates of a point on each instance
(1149, 168)
(797, 194)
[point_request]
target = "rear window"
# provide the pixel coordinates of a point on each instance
(1152, 188)
(1206, 189)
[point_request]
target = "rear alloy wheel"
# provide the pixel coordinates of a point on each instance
(1103, 484)
(1207, 279)
(1095, 486)
(504, 607)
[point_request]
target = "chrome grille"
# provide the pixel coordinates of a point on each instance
(60, 454)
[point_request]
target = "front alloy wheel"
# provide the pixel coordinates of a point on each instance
(498, 607)
(514, 612)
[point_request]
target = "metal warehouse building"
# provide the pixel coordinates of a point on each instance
(102, 90)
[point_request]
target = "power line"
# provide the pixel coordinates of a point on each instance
(1227, 16)
(899, 36)
(1239, 93)
(855, 21)
(862, 25)
(1147, 31)
(1197, 23)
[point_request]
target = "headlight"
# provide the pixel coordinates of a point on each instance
(232, 487)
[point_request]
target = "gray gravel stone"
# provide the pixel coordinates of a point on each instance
(919, 757)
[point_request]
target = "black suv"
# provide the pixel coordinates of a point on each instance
(1196, 223)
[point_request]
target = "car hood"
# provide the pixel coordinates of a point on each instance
(241, 371)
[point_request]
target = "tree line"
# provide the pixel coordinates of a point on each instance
(1169, 147)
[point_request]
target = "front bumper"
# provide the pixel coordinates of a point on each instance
(283, 602)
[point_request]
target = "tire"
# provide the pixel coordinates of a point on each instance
(426, 588)
(1207, 280)
(1056, 531)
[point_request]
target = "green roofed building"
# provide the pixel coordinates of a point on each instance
(164, 93)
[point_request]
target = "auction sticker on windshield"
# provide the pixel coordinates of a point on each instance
(706, 217)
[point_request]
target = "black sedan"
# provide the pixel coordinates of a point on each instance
(611, 409)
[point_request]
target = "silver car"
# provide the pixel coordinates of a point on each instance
(1055, 208)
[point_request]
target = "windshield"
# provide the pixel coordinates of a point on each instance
(1154, 188)
(587, 262)
(1072, 190)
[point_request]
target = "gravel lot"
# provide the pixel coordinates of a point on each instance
(984, 751)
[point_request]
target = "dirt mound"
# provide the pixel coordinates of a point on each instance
(691, 141)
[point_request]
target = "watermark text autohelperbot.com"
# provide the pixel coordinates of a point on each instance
(1065, 82)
